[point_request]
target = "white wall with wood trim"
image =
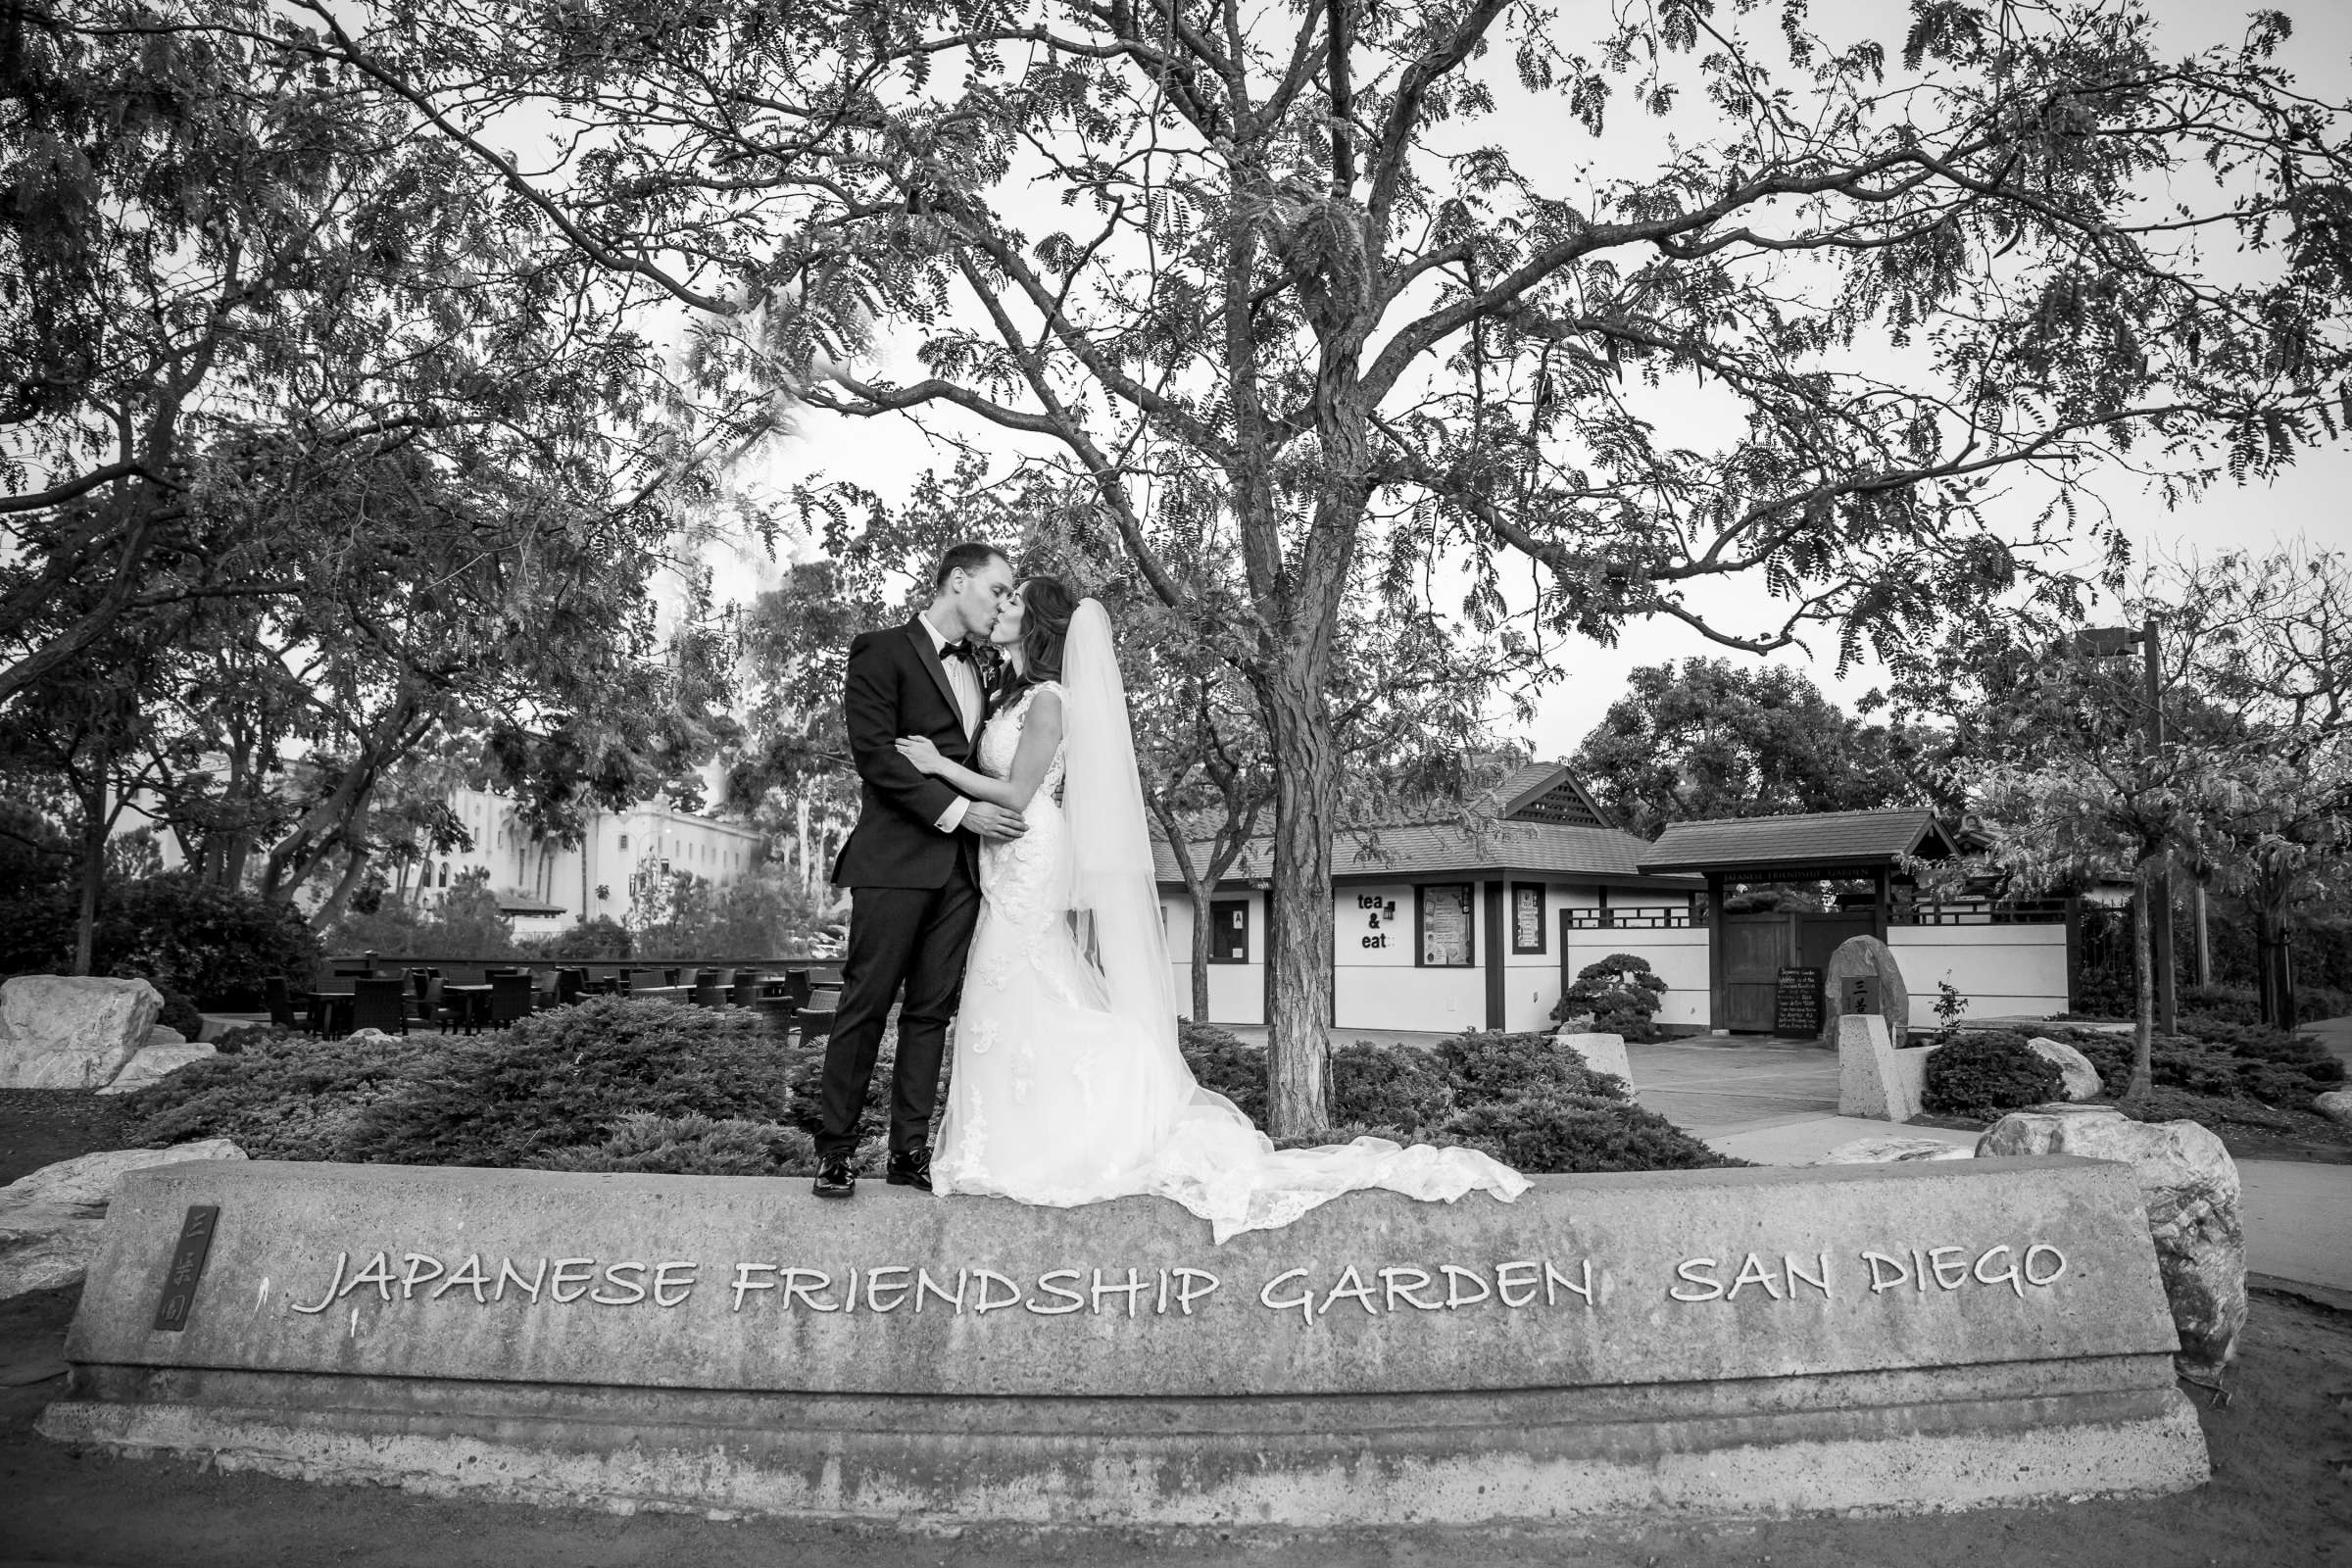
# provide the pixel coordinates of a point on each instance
(2004, 971)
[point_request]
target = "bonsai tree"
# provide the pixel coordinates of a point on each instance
(1619, 992)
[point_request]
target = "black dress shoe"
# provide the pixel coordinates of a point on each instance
(834, 1178)
(910, 1169)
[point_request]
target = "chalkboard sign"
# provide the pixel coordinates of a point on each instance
(1796, 1005)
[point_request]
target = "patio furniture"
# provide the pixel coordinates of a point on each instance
(706, 989)
(509, 999)
(424, 987)
(329, 1013)
(380, 1004)
(282, 1003)
(746, 989)
(468, 1007)
(815, 1026)
(571, 986)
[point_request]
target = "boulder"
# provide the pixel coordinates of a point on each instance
(1860, 957)
(2081, 1079)
(72, 1031)
(2189, 1183)
(1874, 1079)
(49, 1220)
(2336, 1106)
(1602, 1053)
(163, 1034)
(1893, 1151)
(153, 1062)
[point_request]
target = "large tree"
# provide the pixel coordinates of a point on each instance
(1320, 290)
(1707, 738)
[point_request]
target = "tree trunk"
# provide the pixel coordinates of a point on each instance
(93, 872)
(2272, 981)
(327, 913)
(2143, 967)
(1300, 932)
(1201, 935)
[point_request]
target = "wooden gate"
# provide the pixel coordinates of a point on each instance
(1757, 946)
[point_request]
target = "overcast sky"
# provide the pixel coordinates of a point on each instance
(2310, 504)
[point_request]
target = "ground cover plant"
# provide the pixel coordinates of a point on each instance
(619, 1085)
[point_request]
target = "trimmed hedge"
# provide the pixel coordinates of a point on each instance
(1985, 1073)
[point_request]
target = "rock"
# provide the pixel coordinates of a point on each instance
(2337, 1104)
(1602, 1053)
(1874, 1079)
(163, 1034)
(1859, 957)
(153, 1062)
(1893, 1151)
(72, 1031)
(2190, 1185)
(49, 1220)
(2081, 1079)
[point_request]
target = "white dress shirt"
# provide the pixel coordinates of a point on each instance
(966, 682)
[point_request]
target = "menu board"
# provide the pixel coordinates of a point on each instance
(1527, 919)
(1796, 1005)
(1445, 925)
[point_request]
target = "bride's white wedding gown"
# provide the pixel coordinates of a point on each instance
(1053, 1097)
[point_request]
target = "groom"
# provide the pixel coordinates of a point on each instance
(912, 864)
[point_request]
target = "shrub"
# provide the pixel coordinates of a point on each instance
(564, 1078)
(603, 940)
(1388, 1086)
(213, 945)
(1549, 1133)
(1988, 1072)
(2206, 1067)
(1490, 1066)
(1225, 1064)
(281, 1095)
(180, 1014)
(691, 1145)
(1620, 993)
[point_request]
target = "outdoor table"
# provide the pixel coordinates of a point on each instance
(470, 1003)
(326, 1006)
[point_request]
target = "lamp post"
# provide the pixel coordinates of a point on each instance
(2156, 898)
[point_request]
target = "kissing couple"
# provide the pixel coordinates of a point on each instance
(1001, 856)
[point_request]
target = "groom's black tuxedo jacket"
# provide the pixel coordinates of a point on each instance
(898, 686)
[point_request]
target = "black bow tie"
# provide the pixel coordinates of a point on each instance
(963, 651)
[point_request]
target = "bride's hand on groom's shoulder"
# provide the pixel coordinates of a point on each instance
(920, 751)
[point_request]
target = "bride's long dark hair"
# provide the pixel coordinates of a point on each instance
(1046, 605)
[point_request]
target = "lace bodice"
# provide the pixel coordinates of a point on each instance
(1025, 879)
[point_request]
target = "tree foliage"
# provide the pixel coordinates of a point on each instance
(1310, 301)
(1709, 739)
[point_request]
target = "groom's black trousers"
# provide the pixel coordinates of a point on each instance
(915, 936)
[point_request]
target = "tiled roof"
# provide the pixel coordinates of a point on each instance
(1821, 838)
(1423, 848)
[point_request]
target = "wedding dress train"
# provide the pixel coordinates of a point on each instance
(1066, 1084)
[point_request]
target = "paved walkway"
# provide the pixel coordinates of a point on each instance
(1775, 1103)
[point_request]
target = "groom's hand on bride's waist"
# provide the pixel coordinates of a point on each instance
(993, 821)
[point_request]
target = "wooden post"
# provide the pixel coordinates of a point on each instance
(1715, 1004)
(1490, 895)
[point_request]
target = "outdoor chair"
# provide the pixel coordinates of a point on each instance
(423, 987)
(746, 989)
(571, 986)
(282, 1003)
(669, 978)
(815, 1026)
(379, 1005)
(705, 990)
(509, 999)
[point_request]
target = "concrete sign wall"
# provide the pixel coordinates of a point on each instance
(1749, 1340)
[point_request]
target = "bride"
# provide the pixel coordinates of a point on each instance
(1067, 1085)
